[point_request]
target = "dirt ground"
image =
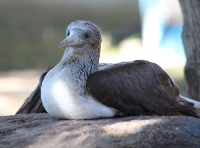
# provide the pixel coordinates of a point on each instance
(15, 87)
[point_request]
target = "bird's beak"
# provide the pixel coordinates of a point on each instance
(75, 39)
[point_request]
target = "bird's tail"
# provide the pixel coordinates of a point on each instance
(196, 103)
(195, 112)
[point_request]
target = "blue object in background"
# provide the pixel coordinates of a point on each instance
(159, 34)
(172, 38)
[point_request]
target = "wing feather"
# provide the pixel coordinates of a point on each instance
(33, 104)
(136, 88)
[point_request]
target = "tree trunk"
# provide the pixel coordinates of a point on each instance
(191, 40)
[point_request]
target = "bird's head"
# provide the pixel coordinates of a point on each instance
(82, 36)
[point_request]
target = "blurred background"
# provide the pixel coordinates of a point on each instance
(31, 31)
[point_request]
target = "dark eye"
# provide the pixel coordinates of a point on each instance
(68, 33)
(87, 35)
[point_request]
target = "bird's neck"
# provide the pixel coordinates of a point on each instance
(77, 67)
(87, 61)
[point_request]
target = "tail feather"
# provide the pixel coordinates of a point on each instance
(192, 113)
(195, 112)
(196, 103)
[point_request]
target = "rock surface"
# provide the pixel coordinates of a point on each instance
(41, 130)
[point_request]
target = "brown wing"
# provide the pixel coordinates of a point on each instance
(33, 103)
(137, 88)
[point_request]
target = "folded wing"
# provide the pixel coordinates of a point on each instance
(136, 88)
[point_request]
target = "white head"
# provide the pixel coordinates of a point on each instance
(82, 36)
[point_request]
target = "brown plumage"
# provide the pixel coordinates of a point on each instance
(137, 88)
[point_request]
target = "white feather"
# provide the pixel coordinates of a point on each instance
(196, 103)
(61, 98)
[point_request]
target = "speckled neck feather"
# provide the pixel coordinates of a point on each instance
(80, 66)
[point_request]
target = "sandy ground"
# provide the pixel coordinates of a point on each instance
(15, 87)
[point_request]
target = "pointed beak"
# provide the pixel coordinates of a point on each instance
(75, 39)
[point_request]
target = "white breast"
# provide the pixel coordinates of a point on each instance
(61, 99)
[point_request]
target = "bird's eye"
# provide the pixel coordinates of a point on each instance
(87, 35)
(68, 33)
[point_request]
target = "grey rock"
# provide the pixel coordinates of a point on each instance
(43, 131)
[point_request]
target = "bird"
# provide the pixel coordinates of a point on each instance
(79, 87)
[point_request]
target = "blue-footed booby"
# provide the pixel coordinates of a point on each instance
(79, 87)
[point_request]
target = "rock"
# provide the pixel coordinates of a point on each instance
(43, 131)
